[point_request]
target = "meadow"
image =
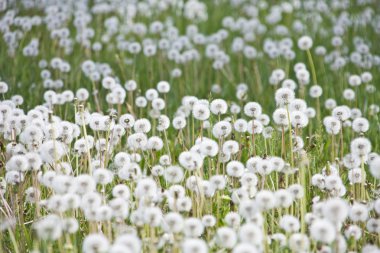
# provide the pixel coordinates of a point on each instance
(189, 126)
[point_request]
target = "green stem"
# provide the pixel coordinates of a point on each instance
(313, 73)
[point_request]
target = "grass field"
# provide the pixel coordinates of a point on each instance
(189, 126)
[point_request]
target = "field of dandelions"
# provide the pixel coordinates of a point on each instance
(194, 126)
